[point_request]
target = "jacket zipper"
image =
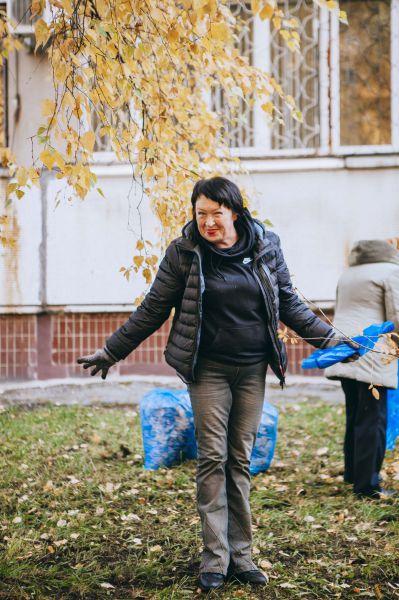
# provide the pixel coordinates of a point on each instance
(272, 317)
(198, 330)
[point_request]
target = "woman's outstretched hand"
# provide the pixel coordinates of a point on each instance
(336, 340)
(100, 360)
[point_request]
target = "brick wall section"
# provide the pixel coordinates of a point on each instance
(47, 345)
(18, 347)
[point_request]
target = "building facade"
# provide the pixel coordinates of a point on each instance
(324, 183)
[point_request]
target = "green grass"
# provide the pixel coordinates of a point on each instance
(78, 511)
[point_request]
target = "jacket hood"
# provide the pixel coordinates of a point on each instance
(373, 251)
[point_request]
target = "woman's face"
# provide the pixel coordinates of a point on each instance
(215, 222)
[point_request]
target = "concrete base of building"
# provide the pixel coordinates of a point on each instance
(128, 390)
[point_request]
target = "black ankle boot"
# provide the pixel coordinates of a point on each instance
(210, 581)
(255, 577)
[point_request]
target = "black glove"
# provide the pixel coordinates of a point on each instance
(336, 340)
(101, 360)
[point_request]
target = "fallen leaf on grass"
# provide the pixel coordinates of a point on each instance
(155, 549)
(109, 487)
(72, 480)
(17, 520)
(286, 585)
(107, 586)
(322, 451)
(61, 523)
(265, 564)
(130, 517)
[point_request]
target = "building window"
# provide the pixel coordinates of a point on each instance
(365, 73)
(345, 82)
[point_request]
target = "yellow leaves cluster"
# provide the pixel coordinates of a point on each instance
(146, 71)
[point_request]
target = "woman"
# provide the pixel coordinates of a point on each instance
(228, 282)
(367, 293)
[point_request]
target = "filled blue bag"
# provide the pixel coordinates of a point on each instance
(321, 359)
(392, 417)
(167, 428)
(263, 451)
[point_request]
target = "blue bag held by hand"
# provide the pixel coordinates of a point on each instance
(321, 359)
(167, 427)
(263, 451)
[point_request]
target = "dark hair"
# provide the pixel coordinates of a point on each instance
(221, 190)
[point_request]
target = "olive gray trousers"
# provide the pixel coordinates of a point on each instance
(227, 404)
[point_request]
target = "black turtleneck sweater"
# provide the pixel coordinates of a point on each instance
(234, 316)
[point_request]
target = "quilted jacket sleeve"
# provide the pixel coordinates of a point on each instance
(294, 313)
(165, 293)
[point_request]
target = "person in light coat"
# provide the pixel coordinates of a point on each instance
(367, 292)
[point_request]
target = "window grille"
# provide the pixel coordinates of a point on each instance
(238, 129)
(298, 74)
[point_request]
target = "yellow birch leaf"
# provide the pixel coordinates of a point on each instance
(88, 140)
(147, 276)
(332, 5)
(375, 393)
(58, 160)
(266, 12)
(42, 33)
(173, 36)
(48, 108)
(267, 107)
(139, 245)
(220, 32)
(22, 176)
(276, 22)
(47, 159)
(255, 6)
(343, 17)
(138, 260)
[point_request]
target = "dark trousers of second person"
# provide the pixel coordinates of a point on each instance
(365, 435)
(227, 404)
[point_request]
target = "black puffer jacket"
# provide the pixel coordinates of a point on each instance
(179, 284)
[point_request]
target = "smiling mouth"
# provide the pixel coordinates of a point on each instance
(211, 231)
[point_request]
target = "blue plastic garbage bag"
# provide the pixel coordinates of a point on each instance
(167, 428)
(321, 359)
(263, 451)
(392, 417)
